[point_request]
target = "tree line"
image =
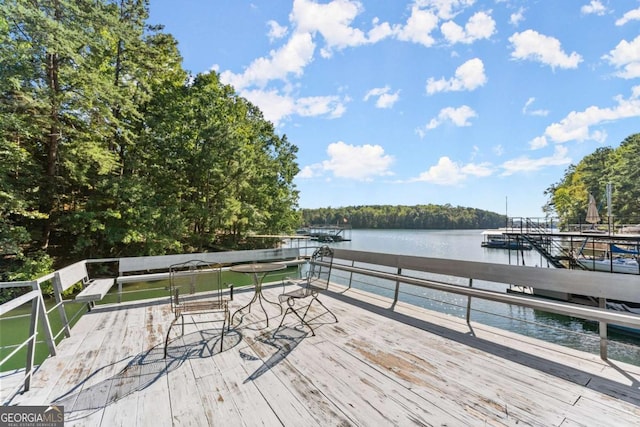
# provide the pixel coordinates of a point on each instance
(405, 217)
(108, 147)
(569, 198)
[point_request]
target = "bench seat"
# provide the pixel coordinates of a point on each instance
(95, 290)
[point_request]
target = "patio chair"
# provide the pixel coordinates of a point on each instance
(315, 281)
(196, 288)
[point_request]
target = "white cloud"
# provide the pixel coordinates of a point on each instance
(458, 116)
(477, 169)
(418, 27)
(468, 76)
(319, 105)
(498, 150)
(310, 171)
(525, 109)
(626, 55)
(595, 7)
(332, 20)
(276, 31)
(576, 126)
(534, 46)
(385, 99)
(538, 142)
(447, 172)
(516, 18)
(479, 26)
(379, 31)
(629, 16)
(276, 107)
(445, 9)
(292, 58)
(361, 163)
(527, 164)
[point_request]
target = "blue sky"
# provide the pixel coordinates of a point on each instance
(478, 103)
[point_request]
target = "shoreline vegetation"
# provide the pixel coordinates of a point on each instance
(390, 217)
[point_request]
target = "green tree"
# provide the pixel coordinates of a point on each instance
(620, 167)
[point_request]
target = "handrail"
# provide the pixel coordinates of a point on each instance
(587, 283)
(558, 307)
(38, 315)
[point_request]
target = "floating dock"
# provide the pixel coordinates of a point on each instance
(327, 233)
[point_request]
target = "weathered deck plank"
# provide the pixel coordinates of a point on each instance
(375, 366)
(422, 368)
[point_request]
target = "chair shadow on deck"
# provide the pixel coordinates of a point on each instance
(142, 371)
(281, 342)
(284, 342)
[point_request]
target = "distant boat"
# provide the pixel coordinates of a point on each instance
(615, 264)
(495, 239)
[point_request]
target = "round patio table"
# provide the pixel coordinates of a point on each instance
(258, 271)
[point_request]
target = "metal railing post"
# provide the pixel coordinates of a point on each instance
(31, 345)
(57, 293)
(353, 263)
(397, 291)
(46, 326)
(469, 302)
(602, 326)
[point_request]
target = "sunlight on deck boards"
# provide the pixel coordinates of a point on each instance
(374, 367)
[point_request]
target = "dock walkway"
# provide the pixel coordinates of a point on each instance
(375, 367)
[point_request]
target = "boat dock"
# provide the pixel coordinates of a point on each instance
(573, 249)
(327, 233)
(381, 364)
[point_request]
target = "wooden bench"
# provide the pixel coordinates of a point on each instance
(93, 289)
(156, 267)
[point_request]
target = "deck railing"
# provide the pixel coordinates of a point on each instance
(405, 269)
(450, 276)
(38, 316)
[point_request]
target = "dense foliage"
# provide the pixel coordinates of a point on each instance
(620, 166)
(108, 147)
(407, 217)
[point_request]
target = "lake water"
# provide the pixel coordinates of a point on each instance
(466, 245)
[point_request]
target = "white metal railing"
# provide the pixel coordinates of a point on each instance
(402, 269)
(37, 316)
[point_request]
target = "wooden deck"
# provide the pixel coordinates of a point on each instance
(375, 367)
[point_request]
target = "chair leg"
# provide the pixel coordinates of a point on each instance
(283, 316)
(224, 322)
(302, 321)
(166, 340)
(325, 307)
